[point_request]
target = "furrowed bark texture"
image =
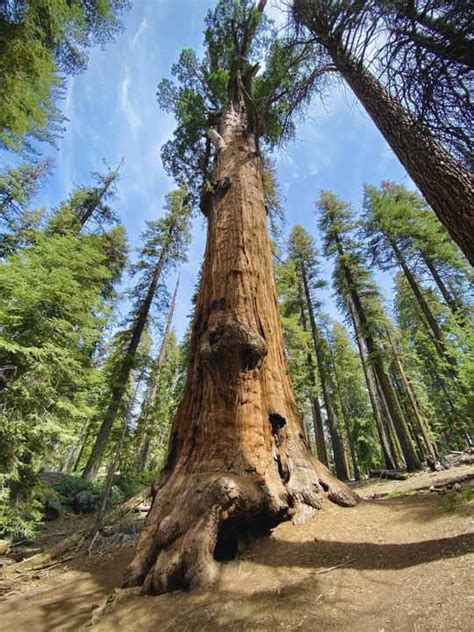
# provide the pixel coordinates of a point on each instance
(443, 181)
(238, 461)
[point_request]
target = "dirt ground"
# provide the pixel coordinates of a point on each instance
(403, 563)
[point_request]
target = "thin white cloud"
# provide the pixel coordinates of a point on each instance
(144, 24)
(126, 105)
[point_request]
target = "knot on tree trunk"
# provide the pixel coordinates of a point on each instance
(230, 344)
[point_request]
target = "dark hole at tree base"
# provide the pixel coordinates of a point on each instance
(235, 534)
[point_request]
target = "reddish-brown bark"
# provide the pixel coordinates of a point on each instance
(239, 462)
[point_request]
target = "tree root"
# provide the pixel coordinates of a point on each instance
(202, 519)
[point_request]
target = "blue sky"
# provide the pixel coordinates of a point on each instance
(113, 113)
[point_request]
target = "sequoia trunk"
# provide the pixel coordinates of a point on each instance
(238, 461)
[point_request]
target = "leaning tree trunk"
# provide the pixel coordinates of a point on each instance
(143, 440)
(429, 317)
(421, 422)
(383, 430)
(447, 295)
(376, 359)
(120, 383)
(238, 460)
(442, 180)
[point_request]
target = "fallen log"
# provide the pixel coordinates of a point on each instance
(395, 475)
(434, 486)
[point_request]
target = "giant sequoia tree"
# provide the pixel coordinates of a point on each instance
(339, 31)
(238, 459)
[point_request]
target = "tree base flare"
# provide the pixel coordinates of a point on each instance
(203, 519)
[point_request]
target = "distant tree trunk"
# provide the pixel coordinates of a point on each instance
(315, 406)
(376, 360)
(429, 317)
(238, 462)
(443, 181)
(449, 298)
(121, 380)
(421, 423)
(383, 430)
(347, 425)
(340, 462)
(75, 453)
(92, 205)
(114, 462)
(319, 431)
(143, 431)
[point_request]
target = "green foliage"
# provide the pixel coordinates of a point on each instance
(20, 521)
(40, 41)
(246, 63)
(51, 315)
(297, 340)
(167, 398)
(395, 215)
(353, 397)
(69, 487)
(88, 206)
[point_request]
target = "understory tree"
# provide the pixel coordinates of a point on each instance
(18, 185)
(238, 459)
(389, 241)
(450, 404)
(51, 313)
(165, 243)
(354, 402)
(145, 439)
(300, 353)
(302, 251)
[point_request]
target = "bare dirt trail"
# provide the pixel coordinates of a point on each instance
(404, 563)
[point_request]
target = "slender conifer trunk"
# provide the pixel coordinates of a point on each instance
(421, 422)
(315, 405)
(340, 462)
(382, 424)
(121, 381)
(143, 430)
(376, 360)
(447, 295)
